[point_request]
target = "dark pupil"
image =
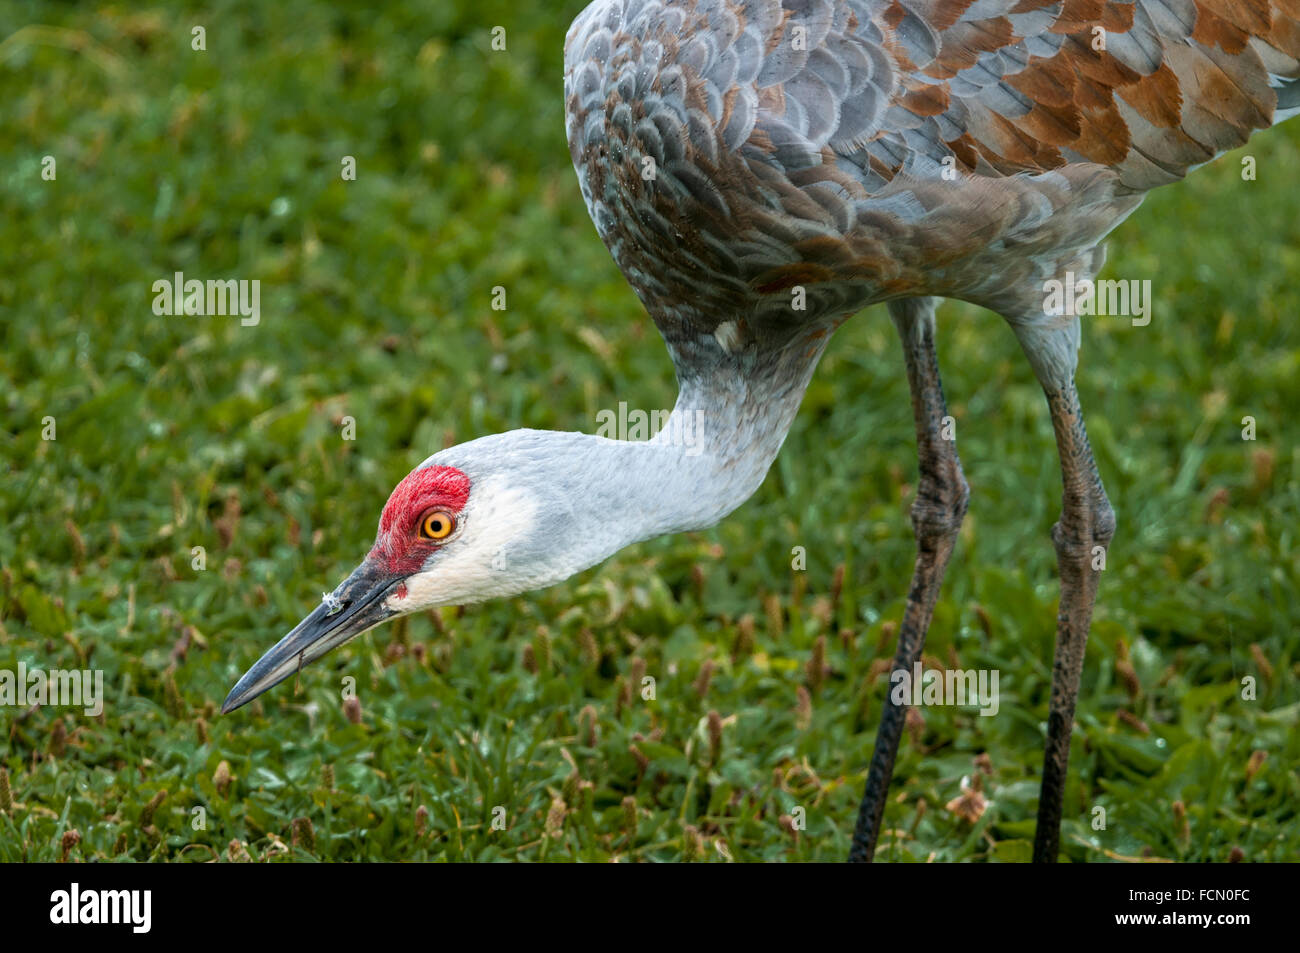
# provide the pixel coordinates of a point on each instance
(435, 525)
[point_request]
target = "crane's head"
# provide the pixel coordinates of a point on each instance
(495, 517)
(446, 537)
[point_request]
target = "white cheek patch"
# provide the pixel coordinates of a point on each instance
(476, 564)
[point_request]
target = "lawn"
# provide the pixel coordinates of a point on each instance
(201, 490)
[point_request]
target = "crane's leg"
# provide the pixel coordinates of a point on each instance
(1081, 538)
(937, 512)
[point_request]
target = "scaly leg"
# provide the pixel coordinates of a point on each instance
(937, 513)
(1081, 538)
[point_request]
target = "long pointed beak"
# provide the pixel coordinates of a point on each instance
(355, 606)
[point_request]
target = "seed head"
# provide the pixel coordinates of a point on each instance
(302, 834)
(587, 719)
(352, 709)
(705, 677)
(787, 824)
(744, 643)
(555, 818)
(146, 814)
(803, 709)
(914, 722)
(1180, 819)
(715, 736)
(588, 647)
(970, 804)
(775, 616)
(642, 762)
(58, 738)
(71, 838)
(816, 667)
(221, 778)
(1261, 661)
(1257, 759)
(692, 843)
(542, 648)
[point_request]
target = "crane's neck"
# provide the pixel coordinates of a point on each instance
(579, 497)
(544, 505)
(725, 430)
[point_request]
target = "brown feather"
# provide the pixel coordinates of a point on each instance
(1056, 125)
(1285, 36)
(1156, 97)
(926, 100)
(1104, 136)
(1079, 15)
(1048, 82)
(964, 150)
(1117, 17)
(1252, 17)
(1099, 66)
(1213, 30)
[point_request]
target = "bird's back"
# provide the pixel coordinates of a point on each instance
(736, 154)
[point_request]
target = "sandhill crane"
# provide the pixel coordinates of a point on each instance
(763, 169)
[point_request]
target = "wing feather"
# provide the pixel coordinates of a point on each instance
(874, 148)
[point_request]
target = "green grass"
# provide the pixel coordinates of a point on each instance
(178, 432)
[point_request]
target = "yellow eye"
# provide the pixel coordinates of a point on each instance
(437, 524)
